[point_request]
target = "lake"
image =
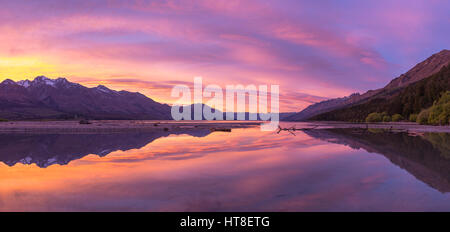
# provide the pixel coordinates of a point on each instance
(242, 170)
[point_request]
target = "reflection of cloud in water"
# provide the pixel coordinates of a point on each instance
(235, 142)
(48, 149)
(245, 170)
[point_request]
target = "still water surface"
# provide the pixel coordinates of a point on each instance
(245, 170)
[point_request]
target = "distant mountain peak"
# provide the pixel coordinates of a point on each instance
(8, 82)
(105, 89)
(24, 83)
(61, 79)
(43, 80)
(102, 87)
(422, 70)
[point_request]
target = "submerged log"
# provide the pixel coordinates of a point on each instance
(84, 121)
(292, 129)
(221, 129)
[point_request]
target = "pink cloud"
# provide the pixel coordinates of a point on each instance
(327, 54)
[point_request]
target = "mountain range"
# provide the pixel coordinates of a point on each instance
(61, 99)
(44, 98)
(421, 71)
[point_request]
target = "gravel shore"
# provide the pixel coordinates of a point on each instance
(112, 126)
(393, 126)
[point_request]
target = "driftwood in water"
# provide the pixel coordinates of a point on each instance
(292, 129)
(221, 129)
(84, 122)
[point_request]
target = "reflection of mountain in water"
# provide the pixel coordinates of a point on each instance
(47, 149)
(426, 157)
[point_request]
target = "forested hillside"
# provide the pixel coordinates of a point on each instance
(406, 101)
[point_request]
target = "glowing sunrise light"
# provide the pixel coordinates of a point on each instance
(18, 68)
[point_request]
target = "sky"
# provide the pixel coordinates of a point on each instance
(314, 50)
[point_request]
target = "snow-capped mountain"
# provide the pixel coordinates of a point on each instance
(59, 98)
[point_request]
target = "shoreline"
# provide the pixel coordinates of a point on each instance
(120, 126)
(409, 127)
